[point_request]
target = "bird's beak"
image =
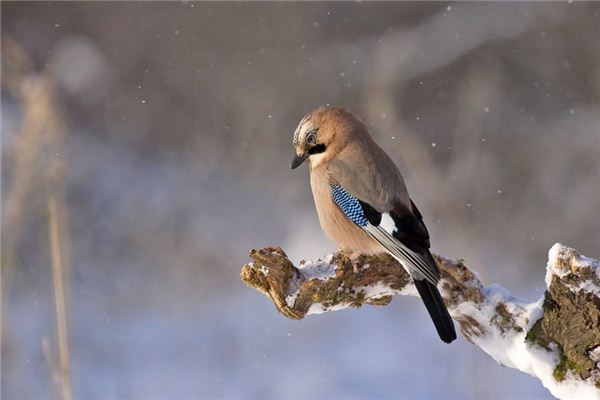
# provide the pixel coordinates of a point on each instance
(298, 159)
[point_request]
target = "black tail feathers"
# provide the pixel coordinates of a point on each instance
(437, 310)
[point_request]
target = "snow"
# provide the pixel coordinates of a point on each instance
(293, 290)
(589, 287)
(264, 270)
(498, 339)
(378, 291)
(322, 269)
(290, 299)
(555, 268)
(318, 308)
(509, 348)
(552, 269)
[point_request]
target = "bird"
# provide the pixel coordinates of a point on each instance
(363, 204)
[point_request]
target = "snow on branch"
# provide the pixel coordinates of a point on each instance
(556, 339)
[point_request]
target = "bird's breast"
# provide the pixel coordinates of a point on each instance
(339, 228)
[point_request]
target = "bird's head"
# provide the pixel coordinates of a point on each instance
(319, 134)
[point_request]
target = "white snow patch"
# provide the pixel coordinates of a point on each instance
(293, 290)
(322, 269)
(409, 290)
(553, 260)
(378, 291)
(318, 308)
(555, 256)
(589, 287)
(264, 270)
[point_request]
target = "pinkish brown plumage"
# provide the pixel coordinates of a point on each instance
(362, 201)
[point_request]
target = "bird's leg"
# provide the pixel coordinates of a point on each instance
(355, 259)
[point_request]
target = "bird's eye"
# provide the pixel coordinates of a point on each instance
(311, 138)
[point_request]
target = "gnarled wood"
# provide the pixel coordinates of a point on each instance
(562, 332)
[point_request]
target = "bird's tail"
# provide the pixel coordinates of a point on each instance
(437, 309)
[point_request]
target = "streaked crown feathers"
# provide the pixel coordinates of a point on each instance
(304, 127)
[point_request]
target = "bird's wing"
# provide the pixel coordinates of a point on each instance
(367, 173)
(399, 231)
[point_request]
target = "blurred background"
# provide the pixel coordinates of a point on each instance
(146, 150)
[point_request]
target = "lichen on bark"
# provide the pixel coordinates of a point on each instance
(571, 320)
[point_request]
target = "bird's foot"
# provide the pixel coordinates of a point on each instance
(356, 260)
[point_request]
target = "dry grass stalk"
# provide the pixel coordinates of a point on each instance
(59, 299)
(35, 164)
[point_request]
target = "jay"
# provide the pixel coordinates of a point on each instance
(363, 204)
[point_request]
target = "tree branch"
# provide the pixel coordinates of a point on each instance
(556, 339)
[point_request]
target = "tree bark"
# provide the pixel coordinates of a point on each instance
(556, 339)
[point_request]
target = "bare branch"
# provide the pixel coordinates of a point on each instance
(556, 339)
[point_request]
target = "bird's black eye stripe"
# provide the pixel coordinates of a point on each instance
(317, 149)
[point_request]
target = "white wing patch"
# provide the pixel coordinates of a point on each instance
(387, 223)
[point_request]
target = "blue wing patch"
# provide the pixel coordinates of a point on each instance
(349, 205)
